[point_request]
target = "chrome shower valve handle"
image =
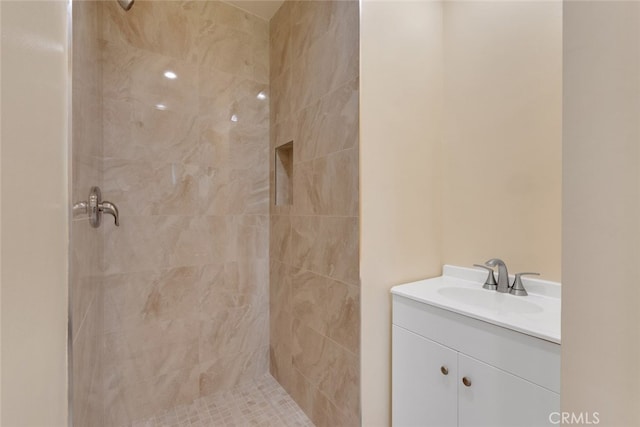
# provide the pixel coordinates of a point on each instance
(94, 207)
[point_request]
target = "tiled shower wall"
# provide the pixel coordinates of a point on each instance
(86, 295)
(314, 284)
(186, 160)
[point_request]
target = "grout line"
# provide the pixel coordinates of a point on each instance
(316, 273)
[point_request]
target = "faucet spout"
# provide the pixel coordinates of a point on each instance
(503, 274)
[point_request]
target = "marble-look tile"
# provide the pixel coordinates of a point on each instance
(160, 294)
(331, 368)
(322, 67)
(257, 203)
(327, 185)
(145, 364)
(252, 234)
(281, 96)
(280, 235)
(283, 132)
(137, 131)
(242, 107)
(280, 302)
(86, 171)
(327, 414)
(222, 238)
(213, 145)
(86, 44)
(280, 133)
(247, 276)
(160, 27)
(95, 413)
(321, 411)
(328, 125)
(87, 123)
(309, 21)
(280, 323)
(261, 65)
(147, 398)
(249, 150)
(326, 245)
(329, 307)
(302, 392)
(146, 188)
(84, 290)
(280, 364)
(138, 336)
(261, 402)
(87, 364)
(280, 55)
(314, 90)
(85, 282)
(237, 192)
(232, 369)
(137, 74)
(143, 243)
(216, 13)
(188, 270)
(226, 49)
(230, 331)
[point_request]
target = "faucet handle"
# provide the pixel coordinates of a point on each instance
(94, 207)
(111, 209)
(490, 283)
(517, 288)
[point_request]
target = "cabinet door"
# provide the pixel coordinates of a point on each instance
(422, 395)
(496, 398)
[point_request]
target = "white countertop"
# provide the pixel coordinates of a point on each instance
(460, 290)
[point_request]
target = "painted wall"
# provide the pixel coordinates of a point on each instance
(601, 207)
(35, 207)
(400, 178)
(186, 160)
(460, 153)
(315, 292)
(502, 139)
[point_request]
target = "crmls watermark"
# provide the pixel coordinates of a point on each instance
(580, 418)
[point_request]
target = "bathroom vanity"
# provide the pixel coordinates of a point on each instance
(466, 356)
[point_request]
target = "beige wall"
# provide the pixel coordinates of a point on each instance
(315, 288)
(601, 211)
(460, 153)
(401, 128)
(501, 147)
(35, 206)
(186, 273)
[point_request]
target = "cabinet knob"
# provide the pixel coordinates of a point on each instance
(466, 381)
(444, 370)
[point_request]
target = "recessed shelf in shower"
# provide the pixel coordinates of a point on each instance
(284, 174)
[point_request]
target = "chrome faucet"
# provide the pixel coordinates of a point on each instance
(503, 274)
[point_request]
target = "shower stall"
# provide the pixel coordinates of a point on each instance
(214, 300)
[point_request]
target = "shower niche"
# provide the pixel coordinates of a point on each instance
(284, 174)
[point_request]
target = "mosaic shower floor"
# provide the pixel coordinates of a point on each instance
(260, 403)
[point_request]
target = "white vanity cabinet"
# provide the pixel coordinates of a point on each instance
(497, 398)
(510, 378)
(425, 385)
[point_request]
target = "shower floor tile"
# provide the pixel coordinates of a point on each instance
(260, 403)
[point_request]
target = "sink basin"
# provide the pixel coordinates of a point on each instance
(491, 300)
(459, 290)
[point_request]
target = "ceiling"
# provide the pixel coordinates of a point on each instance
(262, 8)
